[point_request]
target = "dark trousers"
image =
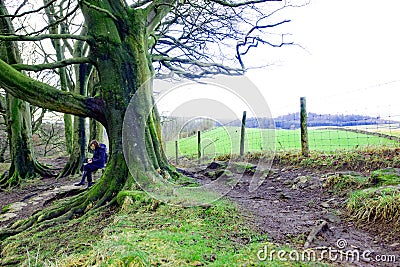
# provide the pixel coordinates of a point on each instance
(88, 169)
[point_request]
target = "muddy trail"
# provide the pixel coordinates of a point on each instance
(293, 209)
(34, 195)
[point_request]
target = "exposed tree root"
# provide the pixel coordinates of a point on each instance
(8, 180)
(61, 211)
(44, 171)
(72, 167)
(101, 194)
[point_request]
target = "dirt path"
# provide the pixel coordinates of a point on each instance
(289, 205)
(19, 203)
(292, 208)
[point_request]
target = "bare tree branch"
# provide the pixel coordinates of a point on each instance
(242, 3)
(203, 33)
(16, 15)
(204, 68)
(36, 123)
(16, 37)
(251, 42)
(53, 65)
(108, 13)
(46, 96)
(58, 20)
(156, 11)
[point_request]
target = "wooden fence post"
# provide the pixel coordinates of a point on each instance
(242, 133)
(199, 146)
(176, 152)
(303, 126)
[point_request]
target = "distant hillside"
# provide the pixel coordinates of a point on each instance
(292, 121)
(185, 127)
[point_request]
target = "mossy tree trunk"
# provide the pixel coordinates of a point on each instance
(96, 129)
(23, 162)
(79, 143)
(3, 124)
(119, 52)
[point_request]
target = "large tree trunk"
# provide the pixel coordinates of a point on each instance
(3, 116)
(20, 138)
(96, 129)
(119, 51)
(23, 161)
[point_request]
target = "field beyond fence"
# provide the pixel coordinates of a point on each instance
(225, 141)
(325, 133)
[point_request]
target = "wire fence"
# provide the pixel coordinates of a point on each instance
(206, 139)
(354, 134)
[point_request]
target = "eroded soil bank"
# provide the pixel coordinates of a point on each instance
(293, 207)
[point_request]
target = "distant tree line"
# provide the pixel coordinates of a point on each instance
(292, 120)
(185, 127)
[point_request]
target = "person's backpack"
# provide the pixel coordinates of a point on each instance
(103, 146)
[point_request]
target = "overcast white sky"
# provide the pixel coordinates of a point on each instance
(350, 63)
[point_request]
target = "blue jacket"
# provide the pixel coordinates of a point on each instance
(99, 156)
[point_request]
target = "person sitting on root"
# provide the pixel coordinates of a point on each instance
(97, 162)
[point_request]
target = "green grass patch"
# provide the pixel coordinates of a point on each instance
(375, 205)
(145, 235)
(362, 159)
(48, 243)
(175, 236)
(378, 178)
(376, 198)
(389, 176)
(340, 181)
(226, 140)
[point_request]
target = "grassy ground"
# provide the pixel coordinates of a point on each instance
(226, 140)
(148, 234)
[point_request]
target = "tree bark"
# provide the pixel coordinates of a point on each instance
(23, 162)
(96, 129)
(119, 51)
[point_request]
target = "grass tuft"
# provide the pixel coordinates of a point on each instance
(375, 205)
(340, 181)
(389, 176)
